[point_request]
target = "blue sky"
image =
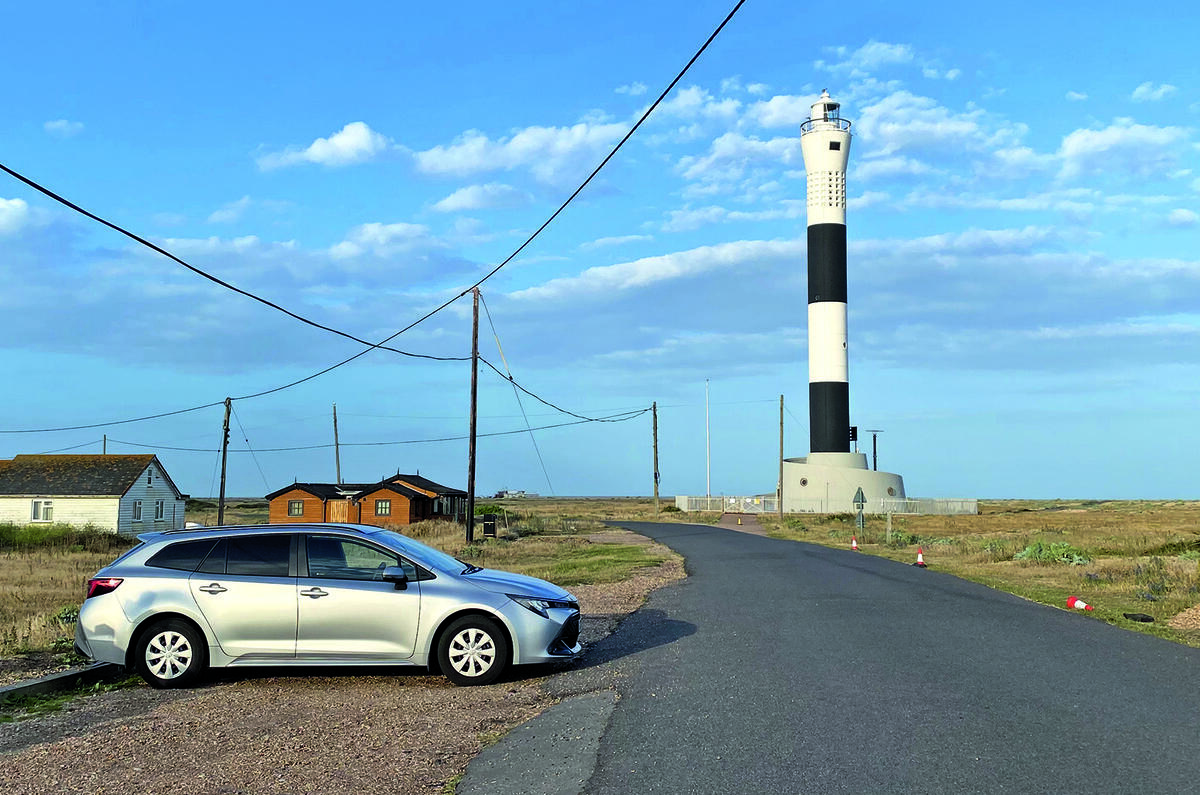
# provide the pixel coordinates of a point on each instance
(1024, 229)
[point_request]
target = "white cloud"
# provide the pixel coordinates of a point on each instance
(688, 218)
(756, 88)
(694, 102)
(550, 153)
(633, 89)
(1124, 147)
(230, 212)
(870, 56)
(493, 195)
(380, 240)
(933, 73)
(14, 214)
(1181, 217)
(1076, 96)
(731, 153)
(605, 242)
(354, 143)
(1148, 92)
(61, 128)
(782, 110)
(902, 120)
(867, 199)
(609, 279)
(884, 167)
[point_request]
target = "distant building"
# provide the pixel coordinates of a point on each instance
(397, 501)
(512, 494)
(124, 494)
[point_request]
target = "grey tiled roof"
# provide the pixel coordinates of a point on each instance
(72, 475)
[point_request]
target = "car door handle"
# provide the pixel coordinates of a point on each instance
(314, 593)
(214, 588)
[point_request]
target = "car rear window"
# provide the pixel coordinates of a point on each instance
(266, 556)
(182, 555)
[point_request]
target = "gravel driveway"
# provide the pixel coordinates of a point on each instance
(252, 733)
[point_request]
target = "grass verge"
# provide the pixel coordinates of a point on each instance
(1120, 556)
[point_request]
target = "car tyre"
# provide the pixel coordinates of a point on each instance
(472, 651)
(170, 654)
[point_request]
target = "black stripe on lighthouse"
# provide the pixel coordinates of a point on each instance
(828, 401)
(827, 263)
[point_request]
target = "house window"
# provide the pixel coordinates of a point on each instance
(159, 510)
(383, 507)
(295, 507)
(43, 510)
(137, 510)
(149, 478)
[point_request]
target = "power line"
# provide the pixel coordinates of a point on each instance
(206, 275)
(517, 395)
(246, 439)
(423, 318)
(72, 447)
(623, 417)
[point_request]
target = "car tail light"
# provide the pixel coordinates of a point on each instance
(102, 585)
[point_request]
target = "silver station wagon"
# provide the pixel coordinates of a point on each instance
(323, 594)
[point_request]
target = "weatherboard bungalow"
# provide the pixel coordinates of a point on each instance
(123, 494)
(396, 501)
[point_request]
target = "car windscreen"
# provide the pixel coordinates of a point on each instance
(422, 552)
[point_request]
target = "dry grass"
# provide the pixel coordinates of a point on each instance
(39, 591)
(1120, 556)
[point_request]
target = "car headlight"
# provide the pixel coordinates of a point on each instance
(541, 606)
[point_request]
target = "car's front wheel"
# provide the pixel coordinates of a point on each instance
(472, 651)
(171, 653)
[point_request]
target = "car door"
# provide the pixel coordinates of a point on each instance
(247, 593)
(346, 611)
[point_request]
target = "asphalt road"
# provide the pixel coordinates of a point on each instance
(783, 667)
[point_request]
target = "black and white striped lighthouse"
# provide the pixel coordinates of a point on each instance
(825, 143)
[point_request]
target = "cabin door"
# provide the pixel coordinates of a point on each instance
(339, 511)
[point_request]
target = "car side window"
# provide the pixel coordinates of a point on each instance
(183, 555)
(343, 559)
(264, 556)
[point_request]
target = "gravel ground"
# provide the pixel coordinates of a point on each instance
(287, 734)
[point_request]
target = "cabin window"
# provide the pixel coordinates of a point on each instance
(295, 507)
(43, 510)
(137, 510)
(383, 507)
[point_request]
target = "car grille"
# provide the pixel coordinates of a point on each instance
(570, 631)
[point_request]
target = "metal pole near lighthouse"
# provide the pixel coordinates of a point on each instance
(825, 143)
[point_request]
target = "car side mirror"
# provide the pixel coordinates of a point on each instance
(396, 574)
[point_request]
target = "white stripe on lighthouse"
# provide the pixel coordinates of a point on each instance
(827, 356)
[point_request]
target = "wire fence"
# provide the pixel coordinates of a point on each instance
(770, 504)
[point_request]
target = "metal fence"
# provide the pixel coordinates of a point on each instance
(761, 504)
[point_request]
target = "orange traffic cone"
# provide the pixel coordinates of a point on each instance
(1078, 604)
(854, 543)
(920, 559)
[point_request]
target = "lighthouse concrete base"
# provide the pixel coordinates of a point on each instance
(827, 483)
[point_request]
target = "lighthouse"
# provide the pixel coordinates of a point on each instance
(830, 478)
(825, 143)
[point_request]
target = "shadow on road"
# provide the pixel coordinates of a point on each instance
(644, 629)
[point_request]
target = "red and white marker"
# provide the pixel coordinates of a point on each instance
(1078, 604)
(920, 559)
(854, 543)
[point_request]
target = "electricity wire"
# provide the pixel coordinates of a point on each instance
(246, 439)
(516, 394)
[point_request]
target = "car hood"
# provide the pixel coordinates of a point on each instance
(504, 582)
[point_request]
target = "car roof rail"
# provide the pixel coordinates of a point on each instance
(286, 527)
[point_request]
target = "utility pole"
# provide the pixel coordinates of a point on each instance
(707, 451)
(654, 413)
(474, 406)
(780, 506)
(874, 446)
(104, 445)
(337, 451)
(224, 456)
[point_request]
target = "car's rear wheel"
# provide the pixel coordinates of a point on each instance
(171, 653)
(472, 651)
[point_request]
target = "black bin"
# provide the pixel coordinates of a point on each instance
(489, 525)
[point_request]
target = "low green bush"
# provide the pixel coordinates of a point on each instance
(1056, 552)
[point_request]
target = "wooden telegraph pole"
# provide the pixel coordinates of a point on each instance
(224, 457)
(474, 406)
(337, 451)
(780, 506)
(654, 412)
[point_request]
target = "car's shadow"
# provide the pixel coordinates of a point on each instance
(641, 630)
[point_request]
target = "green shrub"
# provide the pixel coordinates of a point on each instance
(1057, 552)
(671, 509)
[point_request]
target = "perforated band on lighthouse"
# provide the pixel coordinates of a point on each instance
(825, 143)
